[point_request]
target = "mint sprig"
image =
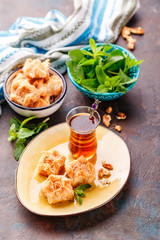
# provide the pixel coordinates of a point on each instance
(22, 131)
(79, 191)
(102, 69)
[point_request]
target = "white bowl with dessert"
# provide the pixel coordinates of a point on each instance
(35, 89)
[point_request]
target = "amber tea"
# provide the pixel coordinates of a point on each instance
(82, 132)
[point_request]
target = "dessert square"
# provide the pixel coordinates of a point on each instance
(57, 189)
(80, 171)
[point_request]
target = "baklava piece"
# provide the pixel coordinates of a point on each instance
(36, 69)
(22, 92)
(57, 189)
(54, 87)
(80, 171)
(51, 162)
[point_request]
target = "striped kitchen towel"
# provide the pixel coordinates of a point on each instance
(54, 35)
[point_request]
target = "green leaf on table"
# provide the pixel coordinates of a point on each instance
(12, 133)
(41, 126)
(27, 120)
(15, 121)
(76, 55)
(25, 133)
(30, 126)
(19, 147)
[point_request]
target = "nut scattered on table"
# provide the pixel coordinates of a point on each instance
(118, 128)
(106, 120)
(107, 165)
(121, 115)
(109, 110)
(126, 34)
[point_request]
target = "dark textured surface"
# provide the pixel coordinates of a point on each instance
(134, 213)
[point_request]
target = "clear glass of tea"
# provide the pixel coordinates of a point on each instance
(82, 139)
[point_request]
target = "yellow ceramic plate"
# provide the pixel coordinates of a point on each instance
(110, 148)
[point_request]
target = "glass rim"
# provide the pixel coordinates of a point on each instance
(83, 107)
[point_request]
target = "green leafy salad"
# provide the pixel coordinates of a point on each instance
(103, 69)
(22, 131)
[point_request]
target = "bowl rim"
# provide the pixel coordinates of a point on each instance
(64, 90)
(104, 94)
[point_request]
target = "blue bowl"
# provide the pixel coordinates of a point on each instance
(134, 73)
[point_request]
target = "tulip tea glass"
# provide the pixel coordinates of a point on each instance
(83, 126)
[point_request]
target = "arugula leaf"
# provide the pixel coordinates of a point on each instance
(19, 147)
(76, 54)
(12, 133)
(15, 121)
(26, 120)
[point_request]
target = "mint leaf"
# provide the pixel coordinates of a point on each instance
(102, 89)
(41, 126)
(12, 133)
(80, 192)
(87, 62)
(27, 120)
(78, 198)
(19, 147)
(76, 71)
(15, 121)
(101, 76)
(25, 133)
(93, 45)
(111, 61)
(76, 55)
(87, 53)
(129, 63)
(83, 187)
